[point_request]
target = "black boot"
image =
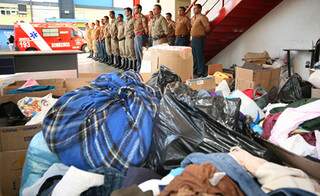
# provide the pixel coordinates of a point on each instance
(118, 61)
(135, 67)
(112, 60)
(126, 66)
(130, 64)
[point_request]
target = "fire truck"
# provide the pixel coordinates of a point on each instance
(48, 36)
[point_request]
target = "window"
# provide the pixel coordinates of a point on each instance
(50, 32)
(74, 33)
(13, 12)
(3, 12)
(8, 12)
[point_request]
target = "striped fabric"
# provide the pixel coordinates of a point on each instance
(108, 124)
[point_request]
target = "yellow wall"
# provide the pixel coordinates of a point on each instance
(11, 19)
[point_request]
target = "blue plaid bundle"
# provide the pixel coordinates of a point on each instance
(108, 124)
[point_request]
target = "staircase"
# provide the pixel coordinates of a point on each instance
(233, 19)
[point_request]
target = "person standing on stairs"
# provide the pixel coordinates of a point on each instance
(129, 41)
(159, 29)
(183, 28)
(114, 39)
(199, 27)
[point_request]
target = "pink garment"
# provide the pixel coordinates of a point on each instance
(29, 83)
(291, 118)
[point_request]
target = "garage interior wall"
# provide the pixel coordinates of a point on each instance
(292, 24)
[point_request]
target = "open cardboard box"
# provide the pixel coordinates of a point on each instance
(14, 141)
(312, 168)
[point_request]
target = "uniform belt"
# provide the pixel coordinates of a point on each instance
(122, 39)
(158, 37)
(182, 36)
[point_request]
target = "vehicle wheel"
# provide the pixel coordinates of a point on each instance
(85, 48)
(31, 49)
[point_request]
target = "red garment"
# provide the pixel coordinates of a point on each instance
(268, 124)
(250, 93)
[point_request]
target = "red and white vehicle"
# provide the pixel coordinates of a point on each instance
(48, 36)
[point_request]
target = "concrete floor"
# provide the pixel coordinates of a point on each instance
(87, 65)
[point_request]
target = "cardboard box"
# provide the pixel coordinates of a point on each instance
(315, 93)
(11, 165)
(17, 137)
(177, 58)
(251, 78)
(310, 167)
(213, 68)
(206, 83)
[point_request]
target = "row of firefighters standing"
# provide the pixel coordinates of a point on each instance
(120, 43)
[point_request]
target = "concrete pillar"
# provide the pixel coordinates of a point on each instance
(66, 9)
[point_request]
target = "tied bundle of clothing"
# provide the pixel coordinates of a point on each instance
(108, 124)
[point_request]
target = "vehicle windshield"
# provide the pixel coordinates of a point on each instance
(77, 32)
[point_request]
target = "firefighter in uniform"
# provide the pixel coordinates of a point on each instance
(96, 35)
(183, 28)
(102, 41)
(150, 28)
(107, 36)
(159, 27)
(121, 39)
(141, 33)
(88, 39)
(114, 39)
(199, 27)
(129, 41)
(171, 29)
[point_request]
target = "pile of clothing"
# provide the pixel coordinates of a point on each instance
(119, 136)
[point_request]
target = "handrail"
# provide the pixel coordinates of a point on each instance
(214, 6)
(190, 6)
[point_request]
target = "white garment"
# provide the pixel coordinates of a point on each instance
(273, 176)
(291, 118)
(314, 79)
(271, 106)
(76, 181)
(299, 146)
(223, 88)
(36, 107)
(54, 170)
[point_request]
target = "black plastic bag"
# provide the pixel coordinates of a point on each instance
(294, 89)
(163, 77)
(181, 129)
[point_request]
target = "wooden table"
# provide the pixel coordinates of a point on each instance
(37, 61)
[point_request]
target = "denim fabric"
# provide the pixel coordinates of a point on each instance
(182, 41)
(290, 192)
(112, 181)
(138, 175)
(138, 43)
(198, 55)
(98, 49)
(103, 49)
(225, 163)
